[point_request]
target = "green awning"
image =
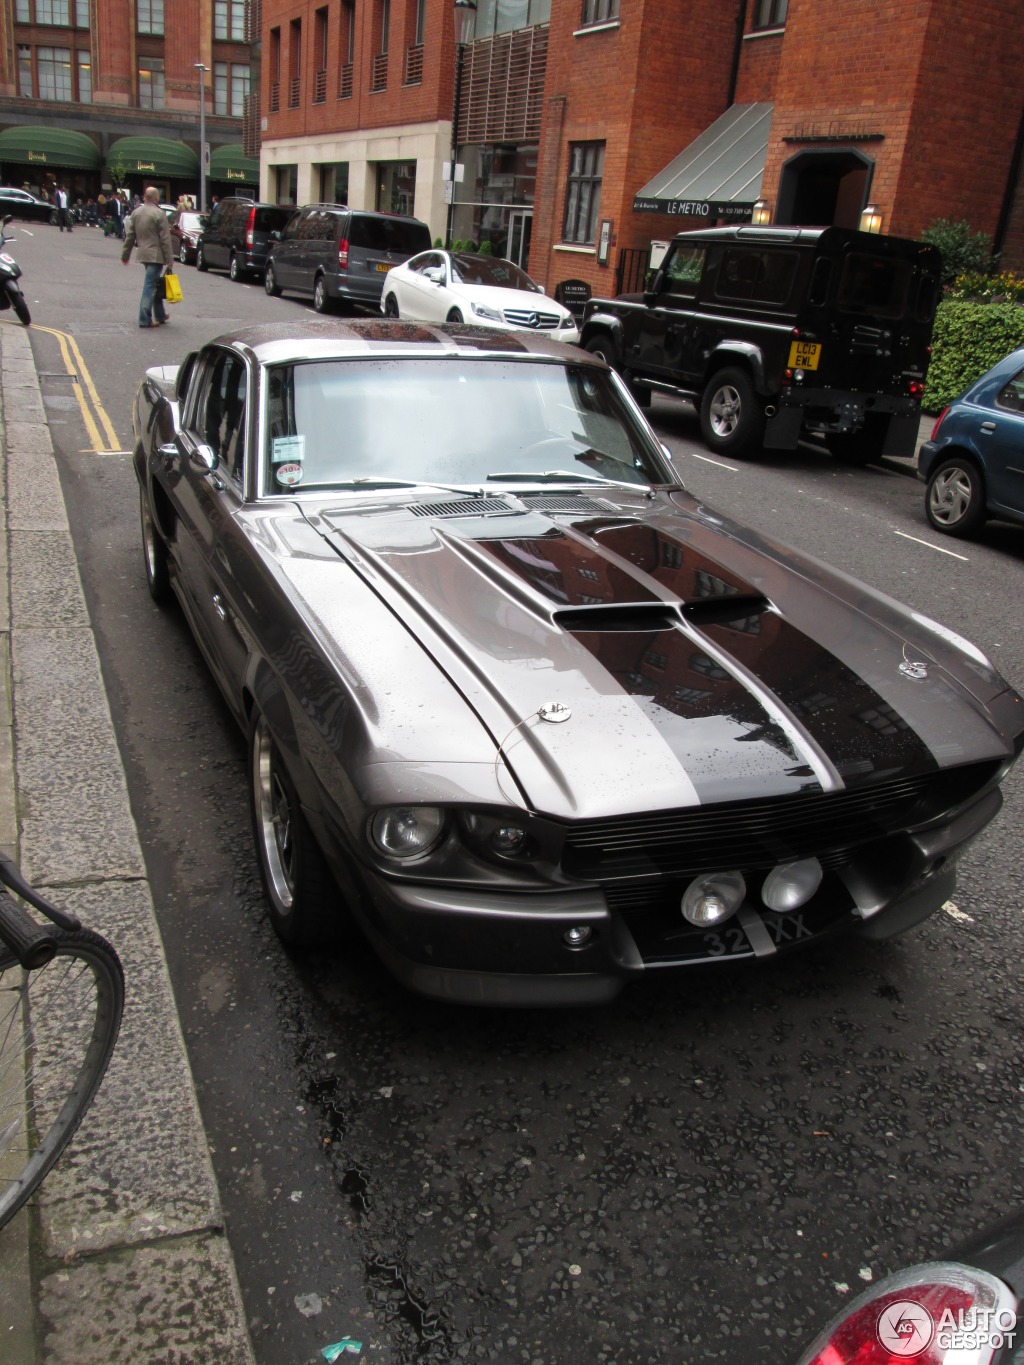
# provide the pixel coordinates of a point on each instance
(230, 163)
(55, 147)
(153, 156)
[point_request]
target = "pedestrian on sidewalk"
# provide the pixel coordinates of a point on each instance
(148, 230)
(63, 209)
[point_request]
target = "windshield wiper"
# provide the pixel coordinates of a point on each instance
(371, 483)
(549, 476)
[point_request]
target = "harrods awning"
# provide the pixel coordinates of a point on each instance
(231, 164)
(719, 174)
(153, 156)
(57, 147)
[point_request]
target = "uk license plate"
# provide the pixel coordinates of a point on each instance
(804, 355)
(382, 267)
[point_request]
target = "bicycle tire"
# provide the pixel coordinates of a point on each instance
(58, 1028)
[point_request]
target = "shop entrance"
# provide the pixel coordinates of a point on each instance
(824, 189)
(520, 225)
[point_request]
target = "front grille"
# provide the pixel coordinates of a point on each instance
(525, 317)
(759, 834)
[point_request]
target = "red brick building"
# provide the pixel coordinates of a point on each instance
(92, 90)
(571, 110)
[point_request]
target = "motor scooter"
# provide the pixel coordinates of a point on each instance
(10, 273)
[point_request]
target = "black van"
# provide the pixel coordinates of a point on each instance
(237, 237)
(341, 255)
(776, 333)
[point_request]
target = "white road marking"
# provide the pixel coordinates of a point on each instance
(928, 545)
(733, 469)
(954, 912)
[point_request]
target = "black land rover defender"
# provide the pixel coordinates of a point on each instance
(777, 333)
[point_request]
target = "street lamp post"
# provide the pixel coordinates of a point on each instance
(465, 19)
(202, 135)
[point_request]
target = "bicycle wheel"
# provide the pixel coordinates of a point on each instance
(58, 1027)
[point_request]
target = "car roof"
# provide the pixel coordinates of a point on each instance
(328, 339)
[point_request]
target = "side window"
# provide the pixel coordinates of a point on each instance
(757, 276)
(224, 414)
(684, 268)
(291, 229)
(309, 227)
(1011, 395)
(329, 227)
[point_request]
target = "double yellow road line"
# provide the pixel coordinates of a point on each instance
(93, 414)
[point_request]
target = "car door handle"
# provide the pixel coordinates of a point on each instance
(988, 426)
(219, 607)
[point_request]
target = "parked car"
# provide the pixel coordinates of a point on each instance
(237, 236)
(339, 255)
(186, 226)
(460, 286)
(21, 204)
(519, 707)
(963, 1307)
(973, 465)
(779, 333)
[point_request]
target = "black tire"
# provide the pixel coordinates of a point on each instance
(731, 416)
(19, 305)
(321, 301)
(954, 499)
(235, 271)
(62, 1022)
(602, 347)
(865, 446)
(270, 281)
(301, 894)
(391, 307)
(454, 316)
(201, 258)
(183, 254)
(154, 554)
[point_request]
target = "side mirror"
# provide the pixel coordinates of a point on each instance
(435, 273)
(275, 235)
(203, 458)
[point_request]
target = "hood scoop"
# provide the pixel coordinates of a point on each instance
(728, 610)
(736, 609)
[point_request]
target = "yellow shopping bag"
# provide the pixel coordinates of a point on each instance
(172, 288)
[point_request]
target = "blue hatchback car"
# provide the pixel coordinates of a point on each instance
(974, 463)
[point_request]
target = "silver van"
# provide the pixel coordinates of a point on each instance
(335, 254)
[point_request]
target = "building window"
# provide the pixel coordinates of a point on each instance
(25, 72)
(150, 16)
(396, 187)
(583, 199)
(320, 52)
(275, 70)
(84, 63)
(22, 13)
(151, 84)
(294, 63)
(53, 12)
(229, 20)
(421, 14)
(770, 13)
(230, 88)
(54, 67)
(599, 12)
(503, 16)
(81, 13)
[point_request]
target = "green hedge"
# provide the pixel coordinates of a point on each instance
(968, 340)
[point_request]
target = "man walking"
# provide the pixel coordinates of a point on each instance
(63, 210)
(148, 230)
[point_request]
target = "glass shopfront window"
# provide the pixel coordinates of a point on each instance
(499, 185)
(396, 187)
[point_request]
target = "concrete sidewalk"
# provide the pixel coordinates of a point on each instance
(122, 1256)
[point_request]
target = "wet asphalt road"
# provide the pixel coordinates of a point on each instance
(704, 1170)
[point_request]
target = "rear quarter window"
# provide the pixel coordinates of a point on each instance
(876, 286)
(389, 234)
(271, 219)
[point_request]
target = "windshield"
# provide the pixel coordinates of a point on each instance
(347, 423)
(486, 270)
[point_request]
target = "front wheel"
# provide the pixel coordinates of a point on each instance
(201, 258)
(58, 1027)
(954, 499)
(183, 254)
(602, 347)
(391, 307)
(154, 554)
(299, 887)
(731, 418)
(270, 283)
(321, 302)
(19, 305)
(234, 269)
(454, 316)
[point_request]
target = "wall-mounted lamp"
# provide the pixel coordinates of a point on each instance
(870, 218)
(762, 214)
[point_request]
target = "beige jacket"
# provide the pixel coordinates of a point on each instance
(147, 229)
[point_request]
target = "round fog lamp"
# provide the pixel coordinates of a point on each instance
(710, 900)
(509, 839)
(791, 885)
(577, 936)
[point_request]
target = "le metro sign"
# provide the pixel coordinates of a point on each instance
(693, 208)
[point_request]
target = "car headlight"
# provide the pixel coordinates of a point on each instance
(407, 831)
(492, 314)
(567, 321)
